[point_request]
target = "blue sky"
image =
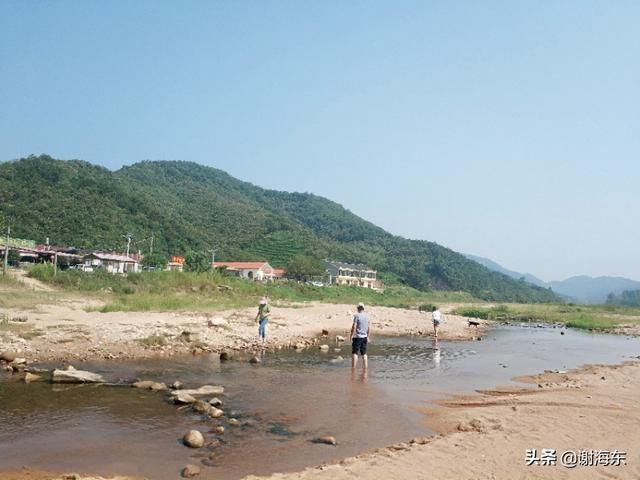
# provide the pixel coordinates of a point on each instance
(505, 129)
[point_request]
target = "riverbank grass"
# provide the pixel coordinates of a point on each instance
(175, 291)
(587, 317)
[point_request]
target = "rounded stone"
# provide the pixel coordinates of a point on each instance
(193, 439)
(8, 356)
(190, 471)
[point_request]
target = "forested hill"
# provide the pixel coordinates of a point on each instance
(186, 206)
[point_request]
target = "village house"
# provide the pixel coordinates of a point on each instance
(250, 270)
(359, 275)
(176, 263)
(112, 262)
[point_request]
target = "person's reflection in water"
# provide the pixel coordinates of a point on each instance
(436, 353)
(360, 377)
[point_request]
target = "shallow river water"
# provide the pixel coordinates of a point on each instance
(282, 404)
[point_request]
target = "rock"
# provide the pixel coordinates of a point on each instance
(215, 412)
(71, 375)
(204, 390)
(215, 401)
(183, 398)
(19, 361)
(30, 377)
(325, 332)
(324, 347)
(7, 356)
(234, 422)
(200, 406)
(217, 322)
(190, 471)
(224, 356)
(420, 441)
(338, 359)
(340, 338)
(254, 360)
(219, 430)
(327, 440)
(193, 439)
(561, 333)
(177, 385)
(150, 385)
(300, 346)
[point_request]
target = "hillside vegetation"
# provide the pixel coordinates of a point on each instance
(190, 207)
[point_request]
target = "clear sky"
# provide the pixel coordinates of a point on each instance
(509, 130)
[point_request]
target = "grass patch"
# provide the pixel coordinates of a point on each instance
(154, 341)
(588, 317)
(172, 291)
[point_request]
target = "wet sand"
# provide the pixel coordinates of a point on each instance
(486, 436)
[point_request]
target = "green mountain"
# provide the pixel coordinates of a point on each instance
(186, 206)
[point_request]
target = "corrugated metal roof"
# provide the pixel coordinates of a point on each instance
(242, 265)
(112, 257)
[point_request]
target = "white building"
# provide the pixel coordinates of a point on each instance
(111, 262)
(250, 270)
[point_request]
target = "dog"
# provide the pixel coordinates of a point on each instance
(473, 323)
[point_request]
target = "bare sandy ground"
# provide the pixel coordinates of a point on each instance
(66, 330)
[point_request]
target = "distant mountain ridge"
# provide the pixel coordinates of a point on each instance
(190, 207)
(580, 288)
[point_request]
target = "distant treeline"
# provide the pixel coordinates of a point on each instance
(630, 298)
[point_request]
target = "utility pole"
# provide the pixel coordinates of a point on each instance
(129, 237)
(151, 246)
(6, 252)
(213, 256)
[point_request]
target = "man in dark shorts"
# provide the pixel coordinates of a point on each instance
(359, 337)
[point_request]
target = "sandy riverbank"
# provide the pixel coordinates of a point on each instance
(66, 330)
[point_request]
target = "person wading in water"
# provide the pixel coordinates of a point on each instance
(360, 332)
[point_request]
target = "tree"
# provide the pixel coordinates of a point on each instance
(14, 257)
(303, 267)
(155, 260)
(197, 262)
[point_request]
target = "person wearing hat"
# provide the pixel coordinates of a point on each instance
(262, 317)
(360, 332)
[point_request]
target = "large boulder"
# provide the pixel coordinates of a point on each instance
(31, 377)
(204, 390)
(200, 406)
(71, 375)
(193, 439)
(150, 385)
(182, 398)
(7, 356)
